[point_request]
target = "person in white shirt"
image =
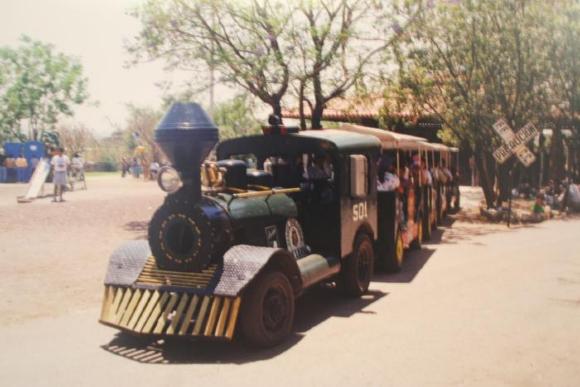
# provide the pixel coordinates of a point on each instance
(387, 179)
(60, 164)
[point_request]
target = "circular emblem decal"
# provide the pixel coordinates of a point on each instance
(294, 235)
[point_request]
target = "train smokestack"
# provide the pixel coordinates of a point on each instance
(186, 134)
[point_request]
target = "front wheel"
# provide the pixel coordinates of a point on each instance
(268, 310)
(358, 268)
(416, 244)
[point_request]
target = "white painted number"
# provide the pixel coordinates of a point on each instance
(359, 211)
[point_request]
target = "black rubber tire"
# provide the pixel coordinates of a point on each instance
(416, 243)
(393, 262)
(178, 236)
(358, 268)
(256, 322)
(426, 227)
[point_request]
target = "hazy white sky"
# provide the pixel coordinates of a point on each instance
(93, 31)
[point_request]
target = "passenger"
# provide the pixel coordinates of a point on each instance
(426, 175)
(316, 169)
(387, 179)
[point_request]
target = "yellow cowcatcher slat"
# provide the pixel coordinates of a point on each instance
(139, 309)
(165, 315)
(116, 302)
(107, 303)
(189, 315)
(221, 325)
(157, 309)
(177, 316)
(126, 297)
(213, 315)
(131, 307)
(201, 316)
(147, 312)
(233, 318)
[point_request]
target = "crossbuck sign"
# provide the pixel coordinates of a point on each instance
(514, 142)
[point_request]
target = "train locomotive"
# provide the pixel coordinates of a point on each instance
(231, 247)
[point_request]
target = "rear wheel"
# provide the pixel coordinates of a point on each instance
(394, 260)
(426, 229)
(416, 244)
(268, 310)
(358, 268)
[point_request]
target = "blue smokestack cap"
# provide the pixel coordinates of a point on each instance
(183, 119)
(186, 134)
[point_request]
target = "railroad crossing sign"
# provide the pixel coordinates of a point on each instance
(514, 142)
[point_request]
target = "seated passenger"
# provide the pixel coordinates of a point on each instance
(387, 179)
(317, 170)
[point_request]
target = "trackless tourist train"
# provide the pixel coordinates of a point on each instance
(237, 239)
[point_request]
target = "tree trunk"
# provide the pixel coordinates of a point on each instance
(301, 107)
(484, 178)
(276, 105)
(557, 160)
(316, 122)
(504, 181)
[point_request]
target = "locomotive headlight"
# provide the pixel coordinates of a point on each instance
(169, 179)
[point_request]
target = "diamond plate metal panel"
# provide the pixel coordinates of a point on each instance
(241, 264)
(126, 263)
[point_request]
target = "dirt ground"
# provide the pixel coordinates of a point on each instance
(480, 305)
(54, 255)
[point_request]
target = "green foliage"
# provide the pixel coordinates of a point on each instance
(235, 118)
(37, 85)
(317, 50)
(472, 62)
(243, 42)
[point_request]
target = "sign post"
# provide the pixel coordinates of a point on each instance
(514, 143)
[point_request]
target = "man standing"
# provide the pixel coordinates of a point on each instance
(60, 163)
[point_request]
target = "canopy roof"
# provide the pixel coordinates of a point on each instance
(389, 140)
(335, 141)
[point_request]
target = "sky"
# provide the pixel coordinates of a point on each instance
(94, 32)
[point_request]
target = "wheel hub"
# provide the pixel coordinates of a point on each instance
(275, 309)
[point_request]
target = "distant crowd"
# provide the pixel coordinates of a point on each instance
(137, 167)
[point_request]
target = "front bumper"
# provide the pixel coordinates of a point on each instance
(169, 313)
(167, 303)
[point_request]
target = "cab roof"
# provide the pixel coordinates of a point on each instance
(307, 141)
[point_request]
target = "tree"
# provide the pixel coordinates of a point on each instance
(339, 45)
(140, 131)
(563, 47)
(472, 62)
(319, 48)
(75, 138)
(37, 86)
(235, 118)
(245, 42)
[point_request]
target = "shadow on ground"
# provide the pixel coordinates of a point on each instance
(137, 227)
(320, 304)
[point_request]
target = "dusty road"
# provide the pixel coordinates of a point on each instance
(480, 306)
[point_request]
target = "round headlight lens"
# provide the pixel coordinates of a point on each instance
(169, 180)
